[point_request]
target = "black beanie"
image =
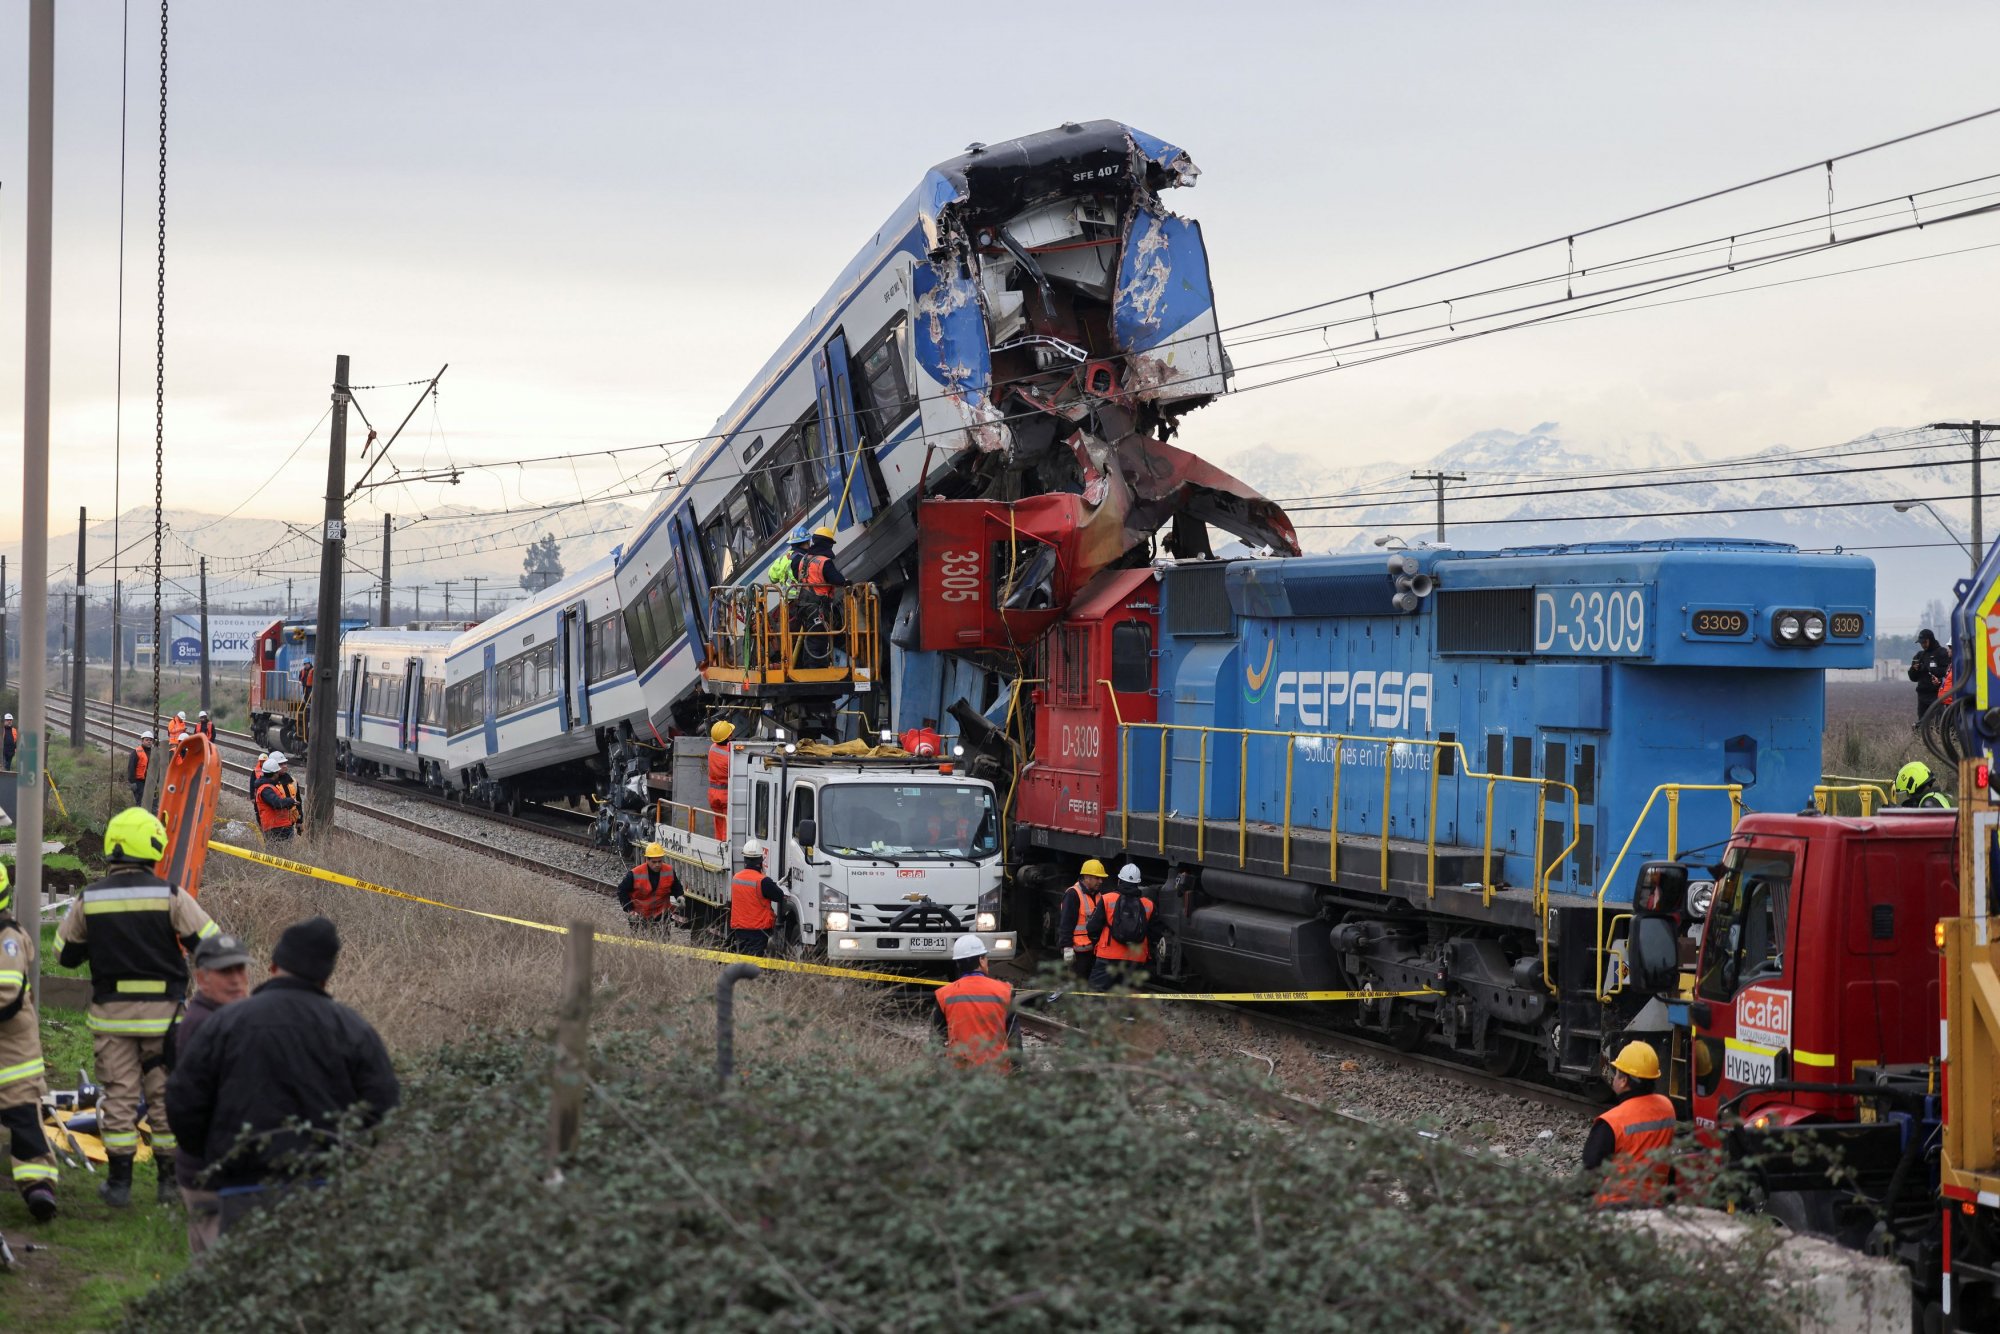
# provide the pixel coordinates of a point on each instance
(308, 949)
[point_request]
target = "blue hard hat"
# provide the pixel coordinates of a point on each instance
(801, 536)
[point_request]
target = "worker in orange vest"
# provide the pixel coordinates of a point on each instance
(754, 900)
(277, 799)
(205, 727)
(821, 575)
(1628, 1144)
(1078, 902)
(10, 741)
(718, 774)
(976, 1010)
(177, 727)
(923, 741)
(648, 890)
(137, 766)
(1123, 939)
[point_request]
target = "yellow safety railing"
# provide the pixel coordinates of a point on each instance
(1672, 792)
(1826, 797)
(776, 635)
(1544, 868)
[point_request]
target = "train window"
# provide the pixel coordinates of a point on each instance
(787, 471)
(465, 705)
(1744, 940)
(1131, 656)
(809, 451)
(715, 546)
(764, 509)
(545, 672)
(654, 620)
(744, 539)
(881, 386)
(433, 708)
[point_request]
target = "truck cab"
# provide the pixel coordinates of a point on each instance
(881, 858)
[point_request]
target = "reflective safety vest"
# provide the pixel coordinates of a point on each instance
(749, 910)
(1934, 801)
(923, 741)
(270, 817)
(20, 1030)
(651, 889)
(135, 953)
(141, 758)
(718, 779)
(13, 735)
(784, 572)
(816, 575)
(1107, 948)
(176, 729)
(960, 829)
(975, 1018)
(206, 729)
(306, 676)
(1637, 1172)
(1079, 935)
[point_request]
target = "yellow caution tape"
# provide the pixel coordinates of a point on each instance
(783, 965)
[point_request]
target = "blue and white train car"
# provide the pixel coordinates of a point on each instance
(391, 719)
(533, 698)
(1029, 313)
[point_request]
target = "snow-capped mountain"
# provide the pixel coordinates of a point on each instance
(1537, 487)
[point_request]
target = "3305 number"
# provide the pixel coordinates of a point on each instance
(959, 580)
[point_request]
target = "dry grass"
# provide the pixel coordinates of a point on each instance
(424, 976)
(1869, 729)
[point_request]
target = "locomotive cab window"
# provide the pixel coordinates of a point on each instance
(1131, 657)
(1745, 935)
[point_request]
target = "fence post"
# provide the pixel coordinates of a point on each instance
(572, 1047)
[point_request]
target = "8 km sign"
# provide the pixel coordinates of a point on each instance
(1764, 1017)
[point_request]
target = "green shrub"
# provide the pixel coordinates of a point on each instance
(1099, 1192)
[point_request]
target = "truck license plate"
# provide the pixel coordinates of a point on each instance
(929, 942)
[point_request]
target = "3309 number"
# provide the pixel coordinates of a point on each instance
(959, 578)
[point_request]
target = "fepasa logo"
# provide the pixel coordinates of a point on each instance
(1391, 701)
(1764, 1017)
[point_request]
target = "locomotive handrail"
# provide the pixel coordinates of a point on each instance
(1543, 870)
(1673, 793)
(1823, 793)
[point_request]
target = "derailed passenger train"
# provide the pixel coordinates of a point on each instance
(1439, 780)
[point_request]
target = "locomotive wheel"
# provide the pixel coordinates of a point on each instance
(1408, 1034)
(1508, 1058)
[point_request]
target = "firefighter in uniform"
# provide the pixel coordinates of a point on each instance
(718, 774)
(277, 798)
(137, 765)
(21, 1081)
(976, 1011)
(648, 890)
(1916, 786)
(1118, 961)
(754, 899)
(1079, 901)
(131, 927)
(1627, 1145)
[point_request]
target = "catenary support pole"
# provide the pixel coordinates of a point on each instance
(77, 641)
(3, 623)
(326, 644)
(204, 635)
(32, 715)
(1977, 429)
(386, 531)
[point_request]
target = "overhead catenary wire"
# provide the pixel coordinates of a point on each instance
(1629, 515)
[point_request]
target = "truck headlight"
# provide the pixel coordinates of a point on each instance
(836, 921)
(987, 922)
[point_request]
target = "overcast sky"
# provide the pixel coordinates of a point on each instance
(605, 217)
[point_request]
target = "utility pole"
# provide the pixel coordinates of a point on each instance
(76, 660)
(326, 645)
(1977, 429)
(475, 580)
(291, 603)
(204, 634)
(385, 571)
(31, 712)
(447, 596)
(117, 635)
(1440, 478)
(417, 601)
(3, 622)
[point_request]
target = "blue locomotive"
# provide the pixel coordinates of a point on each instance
(1437, 772)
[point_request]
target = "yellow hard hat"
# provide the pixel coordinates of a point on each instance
(721, 732)
(135, 834)
(1638, 1060)
(825, 532)
(654, 852)
(1094, 867)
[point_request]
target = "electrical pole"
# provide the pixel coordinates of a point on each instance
(76, 660)
(291, 603)
(31, 713)
(447, 596)
(385, 571)
(475, 580)
(1440, 478)
(417, 600)
(204, 634)
(326, 645)
(1978, 496)
(117, 635)
(3, 623)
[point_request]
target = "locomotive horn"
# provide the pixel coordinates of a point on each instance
(1405, 601)
(1420, 584)
(1402, 563)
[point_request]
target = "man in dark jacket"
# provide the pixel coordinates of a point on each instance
(289, 1052)
(1928, 668)
(221, 977)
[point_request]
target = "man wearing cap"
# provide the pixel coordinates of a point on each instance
(975, 1011)
(648, 890)
(277, 799)
(221, 977)
(267, 1080)
(131, 927)
(137, 765)
(22, 1082)
(10, 741)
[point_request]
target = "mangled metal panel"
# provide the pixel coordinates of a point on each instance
(1163, 315)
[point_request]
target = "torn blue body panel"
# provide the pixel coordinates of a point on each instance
(951, 349)
(1165, 308)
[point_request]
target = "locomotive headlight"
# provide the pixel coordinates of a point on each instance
(1815, 627)
(1788, 628)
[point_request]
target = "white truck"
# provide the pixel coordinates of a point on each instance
(880, 858)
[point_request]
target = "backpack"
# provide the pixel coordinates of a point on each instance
(1129, 919)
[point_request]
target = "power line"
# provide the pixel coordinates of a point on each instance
(1664, 514)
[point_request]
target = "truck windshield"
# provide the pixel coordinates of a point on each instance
(907, 821)
(1745, 939)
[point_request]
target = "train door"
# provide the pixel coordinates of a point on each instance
(413, 703)
(357, 697)
(687, 559)
(1570, 757)
(846, 477)
(573, 652)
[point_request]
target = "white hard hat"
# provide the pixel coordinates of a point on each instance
(182, 716)
(753, 849)
(204, 713)
(1129, 873)
(274, 759)
(146, 735)
(968, 946)
(8, 719)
